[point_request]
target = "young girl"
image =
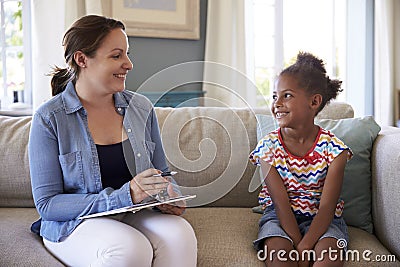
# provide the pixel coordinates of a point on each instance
(300, 199)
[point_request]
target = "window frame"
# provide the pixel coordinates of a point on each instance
(5, 98)
(358, 62)
(26, 22)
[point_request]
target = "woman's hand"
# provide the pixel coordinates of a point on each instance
(145, 184)
(176, 208)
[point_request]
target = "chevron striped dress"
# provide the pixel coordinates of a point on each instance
(303, 177)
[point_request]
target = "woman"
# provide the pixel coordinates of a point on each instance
(79, 141)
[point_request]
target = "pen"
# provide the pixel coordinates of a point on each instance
(165, 174)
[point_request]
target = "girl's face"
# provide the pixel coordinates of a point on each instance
(291, 106)
(107, 70)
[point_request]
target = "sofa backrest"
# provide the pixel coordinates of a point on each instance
(208, 147)
(15, 186)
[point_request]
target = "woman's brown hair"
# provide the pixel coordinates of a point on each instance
(85, 35)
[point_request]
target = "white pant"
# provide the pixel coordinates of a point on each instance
(146, 238)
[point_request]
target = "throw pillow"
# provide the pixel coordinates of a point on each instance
(358, 134)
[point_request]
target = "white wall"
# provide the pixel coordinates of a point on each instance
(359, 71)
(397, 43)
(397, 58)
(47, 51)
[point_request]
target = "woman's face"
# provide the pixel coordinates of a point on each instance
(107, 70)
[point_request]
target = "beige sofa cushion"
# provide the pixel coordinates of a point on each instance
(386, 188)
(209, 149)
(19, 247)
(15, 186)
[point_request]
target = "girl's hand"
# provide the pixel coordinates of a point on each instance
(176, 208)
(145, 184)
(302, 246)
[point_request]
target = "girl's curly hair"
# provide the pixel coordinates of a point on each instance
(311, 75)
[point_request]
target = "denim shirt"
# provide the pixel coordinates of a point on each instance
(64, 164)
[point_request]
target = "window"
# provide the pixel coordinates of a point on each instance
(14, 53)
(284, 27)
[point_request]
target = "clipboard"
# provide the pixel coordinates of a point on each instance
(137, 207)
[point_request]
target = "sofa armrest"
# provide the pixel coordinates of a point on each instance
(386, 188)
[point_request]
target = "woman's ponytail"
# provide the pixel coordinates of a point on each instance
(61, 77)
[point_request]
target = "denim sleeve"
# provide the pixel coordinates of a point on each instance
(48, 182)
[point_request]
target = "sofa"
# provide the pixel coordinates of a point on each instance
(209, 148)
